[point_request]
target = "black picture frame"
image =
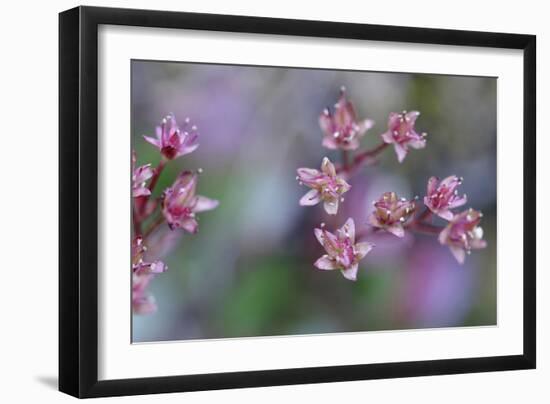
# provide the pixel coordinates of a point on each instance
(78, 201)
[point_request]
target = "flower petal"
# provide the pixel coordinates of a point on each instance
(329, 142)
(351, 272)
(373, 220)
(312, 197)
(400, 151)
(153, 141)
(331, 206)
(183, 150)
(330, 243)
(393, 121)
(319, 235)
(396, 230)
(348, 229)
(189, 225)
(452, 181)
(445, 214)
(478, 244)
(325, 122)
(458, 253)
(309, 176)
(432, 186)
(411, 116)
(141, 191)
(143, 173)
(326, 263)
(365, 125)
(202, 203)
(387, 137)
(444, 235)
(458, 202)
(328, 168)
(362, 249)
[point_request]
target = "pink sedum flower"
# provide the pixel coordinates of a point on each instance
(443, 196)
(325, 186)
(142, 275)
(139, 177)
(172, 141)
(180, 204)
(342, 129)
(402, 134)
(463, 234)
(343, 252)
(390, 213)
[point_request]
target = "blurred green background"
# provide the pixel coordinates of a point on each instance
(249, 271)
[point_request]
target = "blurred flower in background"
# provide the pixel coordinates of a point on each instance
(249, 271)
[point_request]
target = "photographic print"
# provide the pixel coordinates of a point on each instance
(272, 201)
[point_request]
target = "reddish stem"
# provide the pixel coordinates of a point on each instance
(345, 159)
(154, 179)
(135, 220)
(425, 228)
(156, 174)
(159, 220)
(426, 215)
(360, 159)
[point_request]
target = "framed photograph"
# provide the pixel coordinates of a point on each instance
(252, 201)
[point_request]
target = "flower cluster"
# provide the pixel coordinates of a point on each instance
(177, 206)
(343, 131)
(462, 232)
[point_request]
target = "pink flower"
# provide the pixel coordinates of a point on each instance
(139, 176)
(391, 213)
(463, 234)
(342, 251)
(442, 197)
(172, 141)
(180, 203)
(402, 134)
(342, 129)
(325, 186)
(142, 275)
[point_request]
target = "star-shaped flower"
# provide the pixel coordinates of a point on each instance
(390, 213)
(342, 129)
(343, 252)
(180, 203)
(402, 134)
(463, 234)
(443, 196)
(173, 141)
(325, 186)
